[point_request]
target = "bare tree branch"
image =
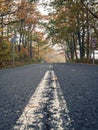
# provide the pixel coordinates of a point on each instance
(95, 16)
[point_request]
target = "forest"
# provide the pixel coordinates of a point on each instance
(24, 29)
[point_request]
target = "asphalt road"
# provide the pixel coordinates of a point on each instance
(16, 87)
(78, 83)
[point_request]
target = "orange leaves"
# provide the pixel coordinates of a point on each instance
(28, 12)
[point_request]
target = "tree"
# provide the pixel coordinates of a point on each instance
(19, 19)
(94, 4)
(72, 22)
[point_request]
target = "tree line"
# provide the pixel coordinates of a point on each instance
(72, 24)
(18, 23)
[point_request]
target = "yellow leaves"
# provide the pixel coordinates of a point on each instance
(1, 29)
(5, 49)
(3, 9)
(3, 6)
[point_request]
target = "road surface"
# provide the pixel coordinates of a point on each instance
(49, 97)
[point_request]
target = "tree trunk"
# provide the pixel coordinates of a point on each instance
(81, 43)
(75, 49)
(30, 49)
(20, 39)
(88, 36)
(2, 25)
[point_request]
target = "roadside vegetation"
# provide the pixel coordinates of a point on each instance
(24, 31)
(74, 24)
(19, 39)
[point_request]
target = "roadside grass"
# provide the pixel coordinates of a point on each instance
(16, 64)
(37, 58)
(85, 61)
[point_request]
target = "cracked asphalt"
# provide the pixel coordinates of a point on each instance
(79, 84)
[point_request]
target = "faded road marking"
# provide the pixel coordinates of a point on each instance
(47, 109)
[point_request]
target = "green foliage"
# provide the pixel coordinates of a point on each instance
(33, 0)
(5, 50)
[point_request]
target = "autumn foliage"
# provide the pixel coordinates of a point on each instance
(19, 21)
(72, 24)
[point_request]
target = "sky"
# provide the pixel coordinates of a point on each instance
(43, 8)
